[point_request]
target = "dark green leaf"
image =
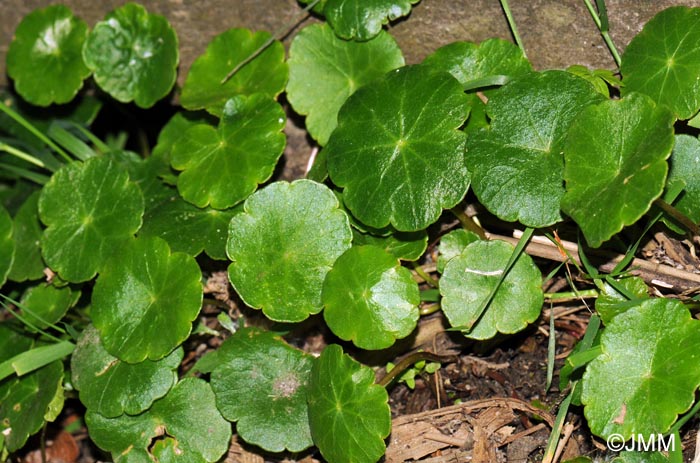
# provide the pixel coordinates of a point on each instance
(134, 55)
(369, 298)
(325, 70)
(363, 19)
(266, 74)
(44, 305)
(45, 56)
(685, 167)
(221, 167)
(398, 150)
(89, 209)
(261, 382)
(349, 415)
(134, 291)
(7, 244)
(405, 246)
(615, 164)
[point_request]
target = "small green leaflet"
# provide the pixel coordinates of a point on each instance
(266, 74)
(398, 151)
(369, 298)
(325, 70)
(284, 244)
(111, 387)
(452, 245)
(405, 246)
(28, 264)
(616, 164)
(685, 167)
(48, 42)
(7, 244)
(349, 415)
(44, 304)
(221, 167)
(648, 351)
(90, 209)
(469, 278)
(134, 55)
(611, 303)
(663, 61)
(187, 415)
(363, 19)
(517, 163)
(134, 291)
(261, 383)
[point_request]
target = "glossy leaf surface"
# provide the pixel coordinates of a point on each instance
(261, 383)
(405, 246)
(616, 164)
(369, 298)
(363, 19)
(90, 209)
(453, 244)
(28, 264)
(48, 42)
(7, 244)
(133, 54)
(134, 292)
(398, 150)
(45, 304)
(285, 243)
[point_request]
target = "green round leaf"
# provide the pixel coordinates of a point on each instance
(468, 61)
(7, 244)
(363, 19)
(685, 167)
(284, 244)
(221, 167)
(663, 61)
(398, 150)
(611, 303)
(325, 70)
(266, 74)
(453, 244)
(90, 208)
(405, 246)
(370, 299)
(648, 372)
(44, 305)
(349, 415)
(616, 164)
(185, 227)
(134, 55)
(24, 402)
(48, 42)
(517, 164)
(111, 387)
(261, 382)
(28, 264)
(187, 415)
(134, 291)
(469, 279)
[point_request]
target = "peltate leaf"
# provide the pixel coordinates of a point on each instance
(24, 401)
(369, 298)
(90, 209)
(133, 54)
(469, 279)
(261, 382)
(517, 163)
(349, 415)
(398, 150)
(134, 291)
(468, 61)
(685, 167)
(405, 246)
(266, 74)
(48, 42)
(221, 167)
(663, 61)
(7, 244)
(648, 371)
(44, 305)
(325, 70)
(111, 387)
(453, 244)
(28, 264)
(285, 243)
(616, 164)
(187, 415)
(186, 227)
(363, 19)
